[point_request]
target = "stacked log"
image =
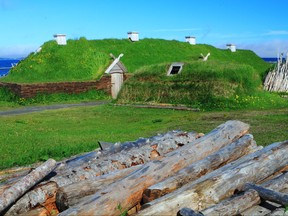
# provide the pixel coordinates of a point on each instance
(222, 183)
(128, 191)
(177, 173)
(277, 79)
(126, 155)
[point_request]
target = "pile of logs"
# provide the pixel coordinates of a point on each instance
(177, 173)
(277, 79)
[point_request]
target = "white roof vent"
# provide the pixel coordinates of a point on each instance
(133, 36)
(60, 39)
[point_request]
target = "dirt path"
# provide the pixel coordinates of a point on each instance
(48, 107)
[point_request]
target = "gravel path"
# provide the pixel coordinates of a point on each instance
(48, 107)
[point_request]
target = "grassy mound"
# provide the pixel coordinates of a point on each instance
(226, 80)
(206, 85)
(83, 59)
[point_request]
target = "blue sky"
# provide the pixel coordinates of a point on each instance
(258, 25)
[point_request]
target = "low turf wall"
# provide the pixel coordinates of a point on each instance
(31, 90)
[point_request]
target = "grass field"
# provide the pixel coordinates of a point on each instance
(29, 138)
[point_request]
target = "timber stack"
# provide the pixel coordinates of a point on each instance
(277, 79)
(177, 173)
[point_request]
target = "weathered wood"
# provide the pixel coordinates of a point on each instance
(42, 198)
(222, 183)
(188, 212)
(244, 201)
(231, 152)
(279, 212)
(277, 79)
(11, 194)
(90, 157)
(128, 191)
(9, 176)
(131, 154)
(72, 194)
(268, 194)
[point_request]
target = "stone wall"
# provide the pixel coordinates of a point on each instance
(31, 90)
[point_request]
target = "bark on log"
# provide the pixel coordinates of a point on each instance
(10, 176)
(118, 147)
(267, 194)
(42, 198)
(73, 194)
(128, 191)
(188, 212)
(240, 203)
(222, 183)
(141, 152)
(10, 195)
(231, 152)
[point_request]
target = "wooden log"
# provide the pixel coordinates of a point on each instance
(10, 195)
(140, 153)
(42, 198)
(73, 194)
(188, 212)
(234, 206)
(231, 152)
(267, 194)
(118, 147)
(244, 201)
(9, 176)
(128, 191)
(222, 183)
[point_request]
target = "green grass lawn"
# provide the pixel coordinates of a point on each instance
(29, 138)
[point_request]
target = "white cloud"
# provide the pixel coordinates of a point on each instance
(16, 51)
(268, 48)
(279, 32)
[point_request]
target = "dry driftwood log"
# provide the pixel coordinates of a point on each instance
(42, 198)
(128, 191)
(268, 194)
(10, 195)
(231, 152)
(140, 152)
(117, 147)
(9, 176)
(244, 201)
(72, 194)
(222, 183)
(277, 79)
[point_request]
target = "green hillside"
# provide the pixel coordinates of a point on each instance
(85, 59)
(226, 81)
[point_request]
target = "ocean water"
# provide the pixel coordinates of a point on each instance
(6, 64)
